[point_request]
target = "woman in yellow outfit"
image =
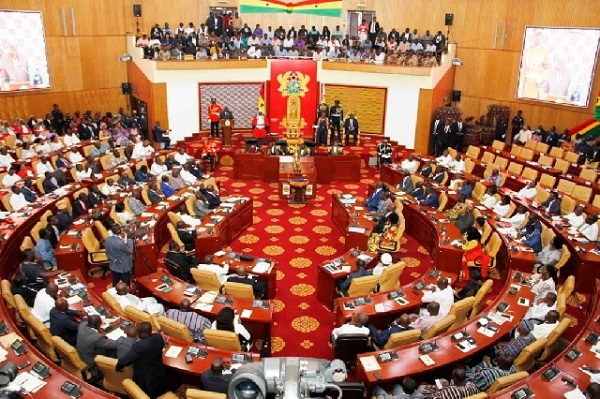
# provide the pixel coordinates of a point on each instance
(389, 238)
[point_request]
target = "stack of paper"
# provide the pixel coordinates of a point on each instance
(116, 334)
(208, 297)
(27, 382)
(173, 351)
(370, 363)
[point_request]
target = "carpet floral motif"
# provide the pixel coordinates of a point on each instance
(305, 324)
(321, 229)
(226, 160)
(275, 212)
(299, 240)
(302, 289)
(300, 263)
(325, 250)
(278, 305)
(274, 229)
(249, 239)
(297, 220)
(307, 344)
(280, 275)
(277, 344)
(256, 191)
(273, 250)
(318, 212)
(411, 262)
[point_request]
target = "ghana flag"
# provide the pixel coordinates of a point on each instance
(325, 8)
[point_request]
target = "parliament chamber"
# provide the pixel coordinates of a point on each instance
(320, 198)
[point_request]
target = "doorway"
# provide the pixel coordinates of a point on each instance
(222, 10)
(355, 18)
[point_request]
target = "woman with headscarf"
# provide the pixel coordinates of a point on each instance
(392, 226)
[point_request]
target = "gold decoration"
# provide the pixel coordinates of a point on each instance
(278, 305)
(256, 191)
(351, 186)
(297, 206)
(238, 184)
(325, 250)
(298, 229)
(225, 168)
(302, 289)
(304, 305)
(367, 181)
(318, 212)
(299, 250)
(411, 262)
(494, 274)
(275, 220)
(576, 299)
(277, 344)
(321, 229)
(324, 239)
(299, 239)
(273, 239)
(280, 275)
(305, 324)
(273, 197)
(249, 239)
(415, 274)
(307, 344)
(574, 322)
(273, 250)
(222, 178)
(363, 164)
(300, 263)
(301, 275)
(319, 198)
(257, 204)
(342, 239)
(226, 160)
(297, 220)
(274, 185)
(256, 220)
(334, 191)
(274, 229)
(275, 212)
(423, 250)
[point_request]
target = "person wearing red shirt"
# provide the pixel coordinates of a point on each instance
(209, 151)
(214, 110)
(259, 127)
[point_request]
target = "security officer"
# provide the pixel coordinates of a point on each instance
(336, 116)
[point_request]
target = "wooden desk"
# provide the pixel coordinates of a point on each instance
(259, 322)
(349, 216)
(447, 353)
(393, 309)
(269, 277)
(326, 281)
(337, 168)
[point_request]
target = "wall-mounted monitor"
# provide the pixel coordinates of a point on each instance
(558, 65)
(23, 60)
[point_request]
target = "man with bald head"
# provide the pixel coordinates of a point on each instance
(44, 302)
(192, 320)
(356, 325)
(90, 343)
(441, 293)
(62, 323)
(214, 380)
(381, 337)
(424, 322)
(241, 276)
(121, 294)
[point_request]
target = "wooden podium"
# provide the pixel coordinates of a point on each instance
(227, 125)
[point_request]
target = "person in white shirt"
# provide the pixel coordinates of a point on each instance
(10, 178)
(187, 176)
(81, 173)
(543, 330)
(445, 159)
(590, 228)
(182, 157)
(187, 218)
(576, 218)
(28, 151)
(523, 135)
(44, 302)
(424, 322)
(43, 147)
(384, 261)
(75, 156)
(70, 139)
(442, 294)
(121, 294)
(501, 208)
(458, 165)
(209, 266)
(226, 318)
(110, 188)
(142, 150)
(488, 200)
(123, 215)
(409, 164)
(17, 199)
(6, 159)
(44, 166)
(543, 282)
(539, 309)
(54, 144)
(529, 191)
(356, 325)
(518, 218)
(158, 167)
(551, 253)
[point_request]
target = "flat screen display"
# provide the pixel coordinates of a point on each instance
(558, 65)
(23, 60)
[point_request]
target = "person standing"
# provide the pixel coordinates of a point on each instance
(517, 124)
(458, 134)
(373, 29)
(321, 129)
(214, 113)
(146, 357)
(119, 250)
(336, 116)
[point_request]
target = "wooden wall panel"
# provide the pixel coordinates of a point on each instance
(423, 121)
(153, 94)
(159, 103)
(368, 105)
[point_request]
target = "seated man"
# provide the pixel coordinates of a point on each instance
(356, 325)
(187, 236)
(485, 373)
(552, 204)
(445, 159)
(441, 293)
(336, 149)
(166, 189)
(182, 157)
(431, 198)
(62, 323)
(538, 310)
(518, 218)
(187, 218)
(552, 252)
(488, 200)
(517, 344)
(212, 196)
(209, 266)
(458, 209)
(407, 184)
(439, 175)
(533, 238)
(472, 286)
(135, 204)
(427, 170)
(419, 192)
(195, 323)
(576, 218)
(544, 329)
(529, 191)
(175, 180)
(44, 250)
(381, 337)
(184, 262)
(153, 195)
(123, 215)
(17, 199)
(407, 390)
(361, 271)
(409, 165)
(384, 261)
(214, 379)
(458, 165)
(466, 188)
(495, 178)
(161, 136)
(384, 152)
(503, 207)
(372, 200)
(90, 343)
(424, 322)
(121, 294)
(383, 206)
(201, 206)
(44, 303)
(458, 387)
(241, 276)
(142, 150)
(33, 271)
(590, 228)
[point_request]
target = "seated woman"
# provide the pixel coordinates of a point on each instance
(390, 227)
(227, 320)
(474, 256)
(543, 282)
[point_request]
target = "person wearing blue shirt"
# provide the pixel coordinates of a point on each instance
(552, 204)
(373, 201)
(381, 337)
(141, 175)
(418, 193)
(165, 188)
(431, 199)
(43, 249)
(159, 135)
(533, 238)
(466, 189)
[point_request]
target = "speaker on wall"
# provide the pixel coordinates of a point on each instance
(137, 10)
(126, 88)
(456, 95)
(449, 19)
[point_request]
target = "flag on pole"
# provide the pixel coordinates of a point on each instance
(325, 8)
(262, 106)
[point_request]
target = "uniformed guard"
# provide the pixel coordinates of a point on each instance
(336, 116)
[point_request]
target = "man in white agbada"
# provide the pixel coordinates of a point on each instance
(209, 266)
(441, 293)
(121, 294)
(384, 261)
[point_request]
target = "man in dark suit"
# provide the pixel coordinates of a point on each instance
(445, 135)
(431, 199)
(146, 357)
(27, 190)
(501, 128)
(80, 206)
(91, 343)
(49, 184)
(407, 184)
(53, 230)
(183, 262)
(351, 128)
(552, 137)
(85, 130)
(427, 170)
(373, 200)
(373, 29)
(65, 218)
(159, 135)
(213, 198)
(552, 204)
(418, 193)
(214, 380)
(435, 136)
(153, 194)
(95, 196)
(241, 276)
(439, 175)
(119, 250)
(186, 236)
(62, 323)
(361, 271)
(381, 337)
(458, 132)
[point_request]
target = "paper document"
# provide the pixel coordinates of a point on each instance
(246, 313)
(173, 351)
(116, 334)
(370, 363)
